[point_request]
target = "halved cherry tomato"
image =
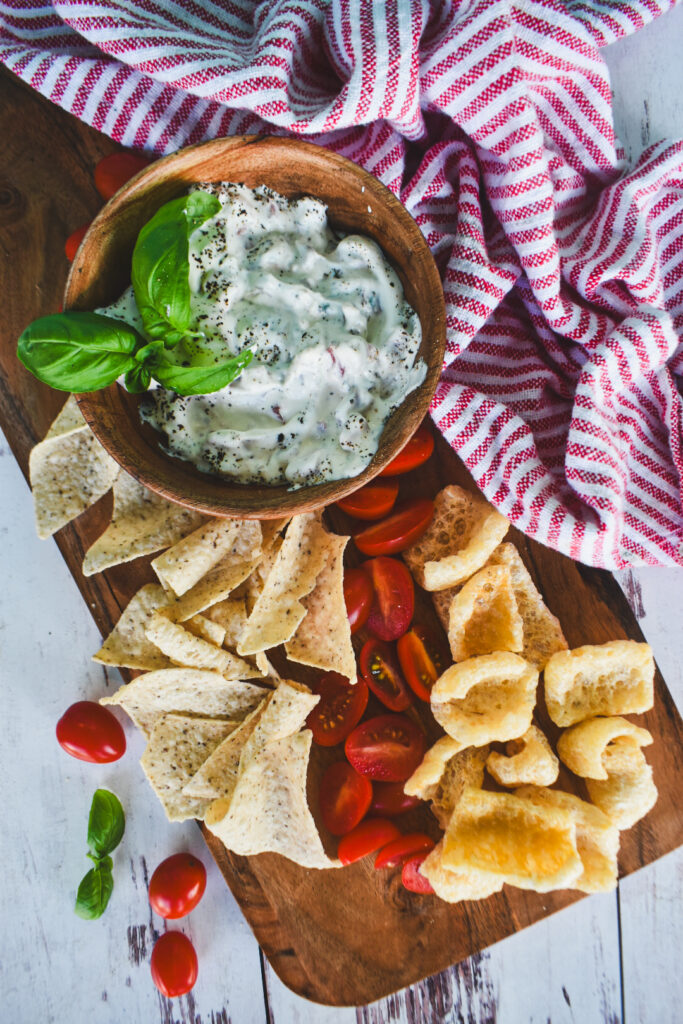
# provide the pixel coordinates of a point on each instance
(344, 798)
(358, 597)
(413, 454)
(339, 709)
(388, 748)
(403, 527)
(394, 597)
(113, 171)
(367, 837)
(402, 849)
(379, 668)
(411, 877)
(177, 885)
(388, 800)
(73, 241)
(421, 660)
(91, 733)
(373, 501)
(174, 964)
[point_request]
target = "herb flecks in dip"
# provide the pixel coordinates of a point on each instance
(334, 344)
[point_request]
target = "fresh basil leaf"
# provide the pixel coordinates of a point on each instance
(95, 891)
(138, 379)
(78, 351)
(106, 823)
(200, 380)
(161, 267)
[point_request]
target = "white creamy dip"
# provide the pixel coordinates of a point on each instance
(334, 344)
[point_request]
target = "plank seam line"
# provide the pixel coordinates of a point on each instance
(264, 983)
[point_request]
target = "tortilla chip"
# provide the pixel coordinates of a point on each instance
(127, 645)
(462, 535)
(629, 791)
(185, 691)
(257, 580)
(177, 748)
(483, 617)
(616, 678)
(443, 775)
(184, 564)
(278, 610)
(323, 639)
(581, 747)
(142, 522)
(455, 887)
(231, 614)
(217, 777)
(206, 629)
(530, 760)
(69, 471)
(192, 651)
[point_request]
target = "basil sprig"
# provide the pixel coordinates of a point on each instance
(105, 831)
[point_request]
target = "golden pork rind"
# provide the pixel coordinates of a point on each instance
(323, 638)
(485, 699)
(510, 839)
(616, 678)
(69, 471)
(463, 533)
(142, 522)
(127, 645)
(597, 837)
(445, 771)
(581, 747)
(455, 887)
(483, 616)
(530, 760)
(629, 791)
(183, 565)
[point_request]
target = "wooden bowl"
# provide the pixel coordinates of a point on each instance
(356, 201)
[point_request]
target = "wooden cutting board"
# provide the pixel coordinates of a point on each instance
(343, 937)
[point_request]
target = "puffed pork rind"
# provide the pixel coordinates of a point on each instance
(597, 837)
(530, 760)
(445, 771)
(616, 678)
(483, 617)
(510, 839)
(455, 887)
(462, 535)
(581, 746)
(629, 791)
(486, 699)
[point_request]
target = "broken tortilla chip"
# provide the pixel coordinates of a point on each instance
(185, 648)
(184, 564)
(127, 645)
(217, 777)
(483, 617)
(616, 678)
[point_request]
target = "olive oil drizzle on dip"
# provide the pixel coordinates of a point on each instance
(334, 344)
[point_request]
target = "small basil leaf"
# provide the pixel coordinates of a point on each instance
(94, 892)
(78, 351)
(200, 380)
(161, 268)
(106, 823)
(138, 379)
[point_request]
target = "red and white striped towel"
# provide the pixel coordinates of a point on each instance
(491, 119)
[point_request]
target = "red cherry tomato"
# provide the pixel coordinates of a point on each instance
(388, 800)
(358, 597)
(344, 798)
(174, 964)
(402, 849)
(177, 885)
(73, 241)
(388, 748)
(422, 661)
(113, 171)
(380, 671)
(339, 709)
(367, 837)
(403, 527)
(373, 501)
(394, 597)
(411, 877)
(413, 454)
(90, 732)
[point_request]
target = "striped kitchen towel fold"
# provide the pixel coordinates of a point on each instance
(491, 119)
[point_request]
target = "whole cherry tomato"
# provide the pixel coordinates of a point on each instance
(373, 501)
(177, 885)
(73, 241)
(422, 661)
(388, 800)
(174, 964)
(402, 849)
(344, 798)
(339, 709)
(403, 527)
(394, 597)
(113, 171)
(388, 748)
(411, 877)
(380, 671)
(413, 454)
(358, 597)
(367, 837)
(90, 732)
